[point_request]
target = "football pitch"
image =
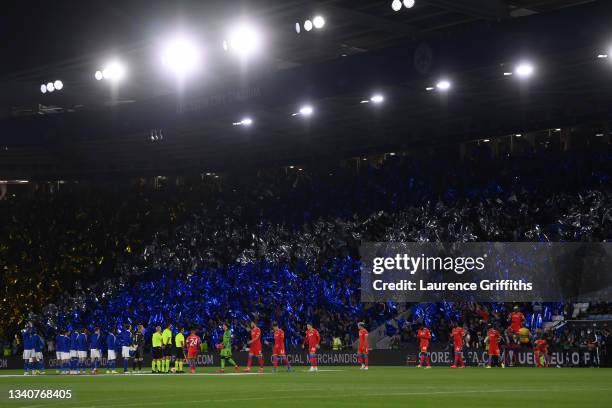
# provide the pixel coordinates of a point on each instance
(331, 387)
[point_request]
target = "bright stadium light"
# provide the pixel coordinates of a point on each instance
(58, 85)
(244, 122)
(114, 70)
(524, 70)
(43, 88)
(307, 25)
(306, 110)
(378, 98)
(181, 56)
(298, 28)
(602, 56)
(98, 75)
(396, 5)
(318, 22)
(50, 87)
(243, 40)
(409, 3)
(443, 85)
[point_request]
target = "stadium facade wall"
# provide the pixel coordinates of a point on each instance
(439, 357)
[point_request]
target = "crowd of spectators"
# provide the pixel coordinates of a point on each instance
(280, 244)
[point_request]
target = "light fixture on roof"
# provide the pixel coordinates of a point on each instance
(443, 85)
(486, 140)
(524, 69)
(396, 5)
(408, 3)
(50, 87)
(318, 22)
(298, 28)
(58, 85)
(43, 88)
(307, 25)
(180, 55)
(244, 122)
(305, 110)
(518, 135)
(244, 40)
(376, 98)
(602, 56)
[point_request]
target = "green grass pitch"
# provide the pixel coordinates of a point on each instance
(380, 387)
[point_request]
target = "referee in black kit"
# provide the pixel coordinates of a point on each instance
(138, 341)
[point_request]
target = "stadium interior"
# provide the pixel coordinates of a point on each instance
(233, 178)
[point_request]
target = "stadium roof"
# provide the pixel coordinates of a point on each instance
(146, 126)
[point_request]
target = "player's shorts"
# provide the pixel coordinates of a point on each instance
(424, 349)
(458, 348)
(180, 353)
(82, 354)
(226, 353)
(157, 353)
(111, 355)
(38, 355)
(362, 350)
(65, 355)
(74, 354)
(125, 351)
(95, 353)
(28, 354)
(139, 352)
(312, 350)
(494, 352)
(256, 351)
(192, 353)
(58, 355)
(278, 351)
(167, 351)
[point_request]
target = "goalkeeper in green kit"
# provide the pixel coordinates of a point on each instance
(226, 350)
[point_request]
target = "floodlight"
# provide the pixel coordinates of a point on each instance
(43, 88)
(318, 22)
(443, 85)
(243, 40)
(408, 3)
(58, 85)
(181, 56)
(50, 87)
(396, 5)
(378, 98)
(306, 110)
(524, 70)
(307, 25)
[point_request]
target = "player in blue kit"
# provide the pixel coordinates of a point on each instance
(38, 361)
(82, 351)
(126, 347)
(74, 356)
(94, 350)
(64, 348)
(28, 349)
(111, 356)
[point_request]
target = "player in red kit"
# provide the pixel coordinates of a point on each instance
(424, 336)
(278, 351)
(516, 318)
(458, 334)
(193, 348)
(362, 351)
(313, 339)
(540, 352)
(492, 340)
(255, 348)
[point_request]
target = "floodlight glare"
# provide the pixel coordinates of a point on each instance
(378, 98)
(396, 5)
(50, 87)
(98, 75)
(298, 28)
(307, 25)
(246, 122)
(318, 22)
(243, 40)
(181, 56)
(58, 85)
(306, 110)
(114, 71)
(443, 85)
(524, 70)
(408, 3)
(43, 88)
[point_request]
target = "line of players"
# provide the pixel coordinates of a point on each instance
(72, 349)
(492, 344)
